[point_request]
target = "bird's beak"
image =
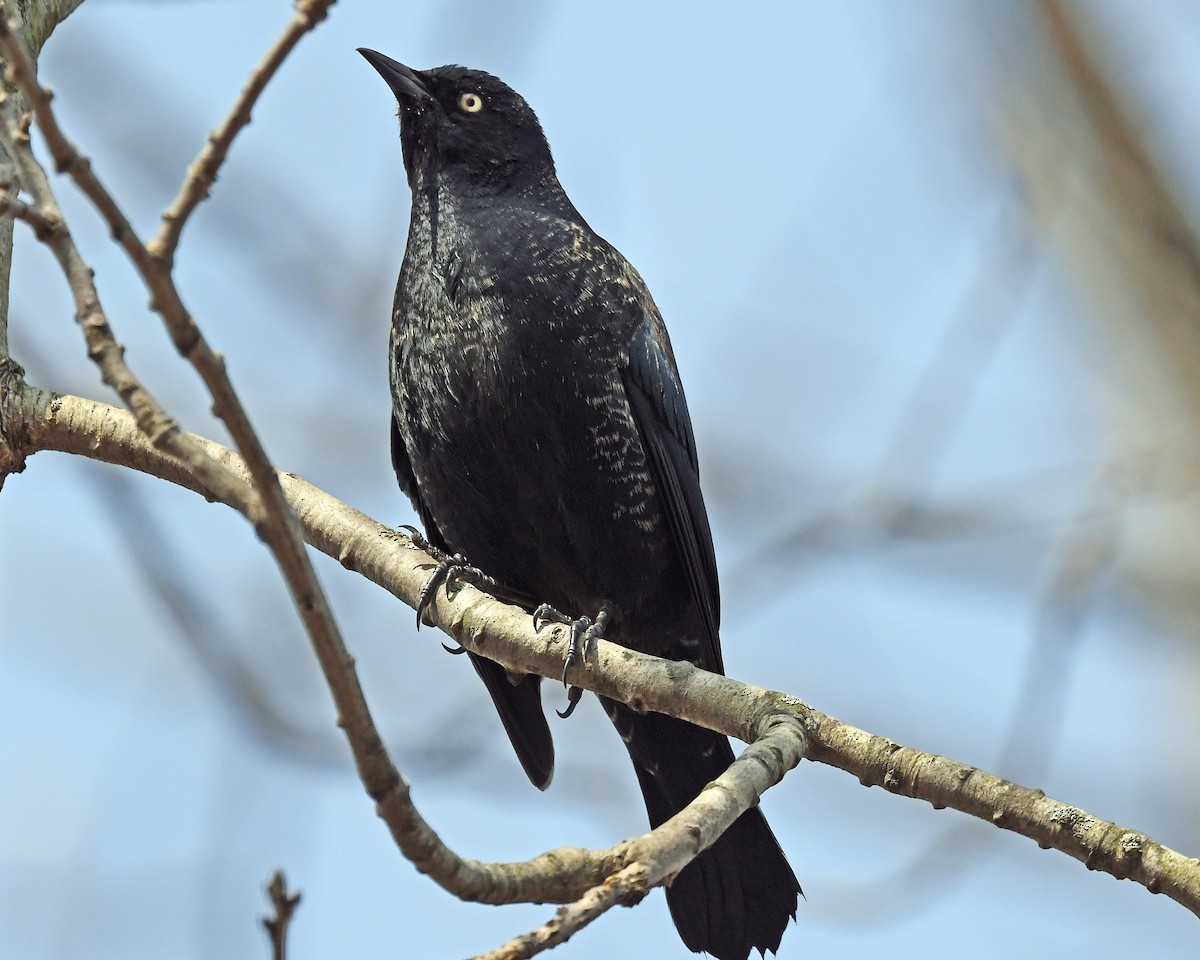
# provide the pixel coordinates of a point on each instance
(404, 81)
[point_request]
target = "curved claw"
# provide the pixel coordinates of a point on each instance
(457, 650)
(440, 573)
(574, 695)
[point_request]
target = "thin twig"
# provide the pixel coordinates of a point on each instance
(503, 633)
(44, 227)
(624, 888)
(202, 174)
(284, 903)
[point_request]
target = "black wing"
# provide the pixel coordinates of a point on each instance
(408, 484)
(518, 703)
(660, 411)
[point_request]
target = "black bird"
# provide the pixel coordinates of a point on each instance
(539, 428)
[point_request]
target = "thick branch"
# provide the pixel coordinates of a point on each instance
(41, 17)
(720, 703)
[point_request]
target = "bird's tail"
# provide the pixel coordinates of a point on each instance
(740, 893)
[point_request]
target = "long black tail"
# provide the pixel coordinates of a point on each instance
(740, 893)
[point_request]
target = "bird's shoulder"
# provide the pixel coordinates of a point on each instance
(545, 240)
(546, 265)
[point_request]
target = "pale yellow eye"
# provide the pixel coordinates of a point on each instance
(470, 102)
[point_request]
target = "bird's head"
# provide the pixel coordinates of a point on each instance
(467, 125)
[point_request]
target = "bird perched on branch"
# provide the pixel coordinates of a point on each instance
(540, 429)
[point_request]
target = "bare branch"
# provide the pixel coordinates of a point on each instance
(1101, 196)
(273, 523)
(265, 503)
(41, 17)
(44, 227)
(285, 904)
(202, 174)
(503, 633)
(626, 887)
(79, 426)
(103, 348)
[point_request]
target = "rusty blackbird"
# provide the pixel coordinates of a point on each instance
(540, 429)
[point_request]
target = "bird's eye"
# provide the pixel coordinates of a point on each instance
(470, 102)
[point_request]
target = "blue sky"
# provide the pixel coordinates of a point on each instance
(821, 200)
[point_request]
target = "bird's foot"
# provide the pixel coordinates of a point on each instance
(583, 631)
(450, 571)
(444, 572)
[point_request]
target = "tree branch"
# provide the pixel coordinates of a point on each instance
(284, 903)
(626, 887)
(165, 298)
(41, 17)
(261, 499)
(202, 174)
(44, 215)
(503, 633)
(80, 426)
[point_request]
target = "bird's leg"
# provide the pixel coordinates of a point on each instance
(583, 631)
